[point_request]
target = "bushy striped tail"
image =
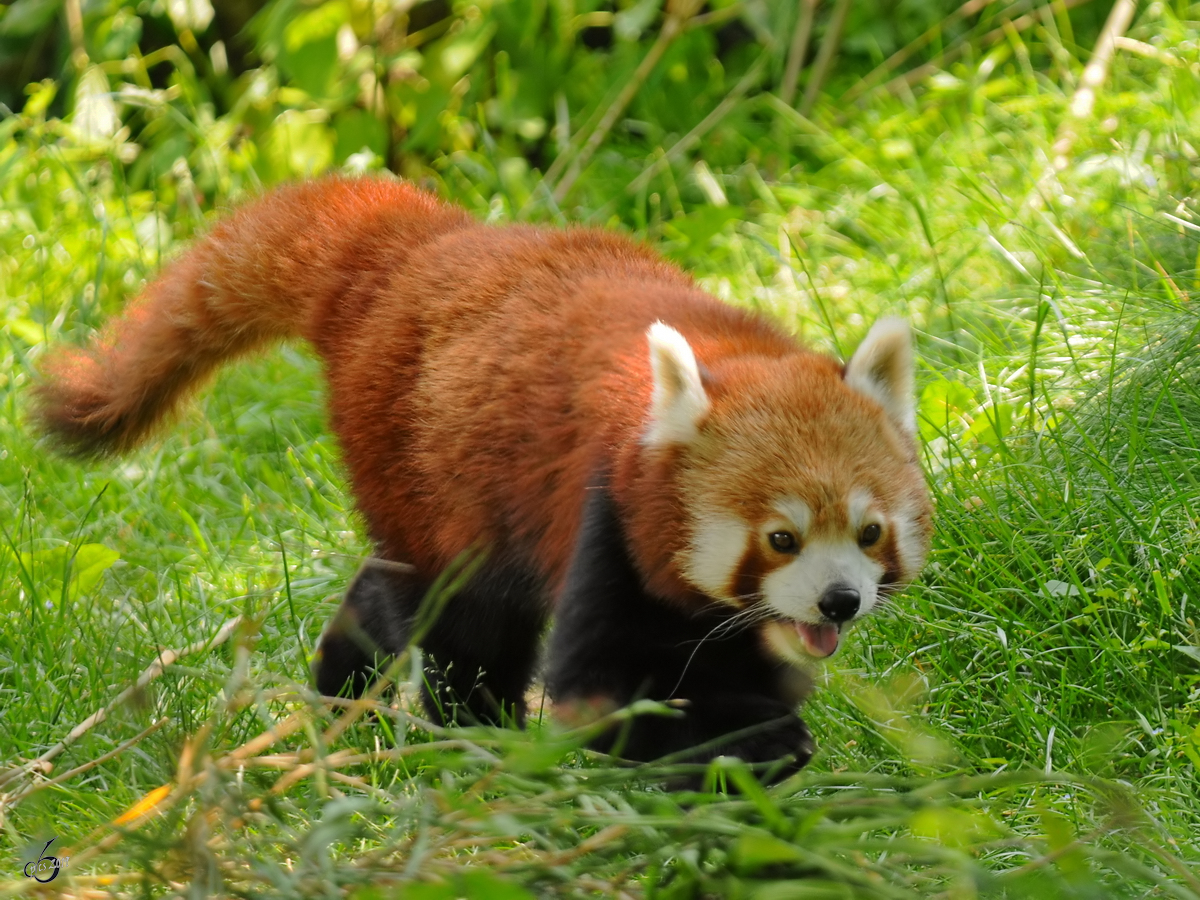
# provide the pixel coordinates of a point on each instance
(298, 262)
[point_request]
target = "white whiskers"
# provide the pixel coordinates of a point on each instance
(751, 615)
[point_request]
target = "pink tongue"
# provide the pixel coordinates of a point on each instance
(819, 640)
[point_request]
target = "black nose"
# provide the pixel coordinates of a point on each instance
(839, 604)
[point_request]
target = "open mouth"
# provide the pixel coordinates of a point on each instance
(819, 640)
(801, 642)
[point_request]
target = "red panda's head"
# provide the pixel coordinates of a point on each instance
(797, 480)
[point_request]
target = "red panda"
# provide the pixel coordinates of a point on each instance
(695, 496)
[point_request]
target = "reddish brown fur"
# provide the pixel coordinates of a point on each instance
(478, 376)
(277, 268)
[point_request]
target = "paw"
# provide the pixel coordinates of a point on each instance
(758, 729)
(782, 746)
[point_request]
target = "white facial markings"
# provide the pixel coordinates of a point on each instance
(797, 512)
(717, 547)
(794, 584)
(910, 546)
(859, 509)
(794, 590)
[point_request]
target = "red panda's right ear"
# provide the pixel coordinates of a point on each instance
(882, 369)
(679, 402)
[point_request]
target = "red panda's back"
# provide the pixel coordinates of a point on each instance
(497, 373)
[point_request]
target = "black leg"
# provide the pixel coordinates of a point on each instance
(483, 647)
(613, 643)
(480, 650)
(370, 627)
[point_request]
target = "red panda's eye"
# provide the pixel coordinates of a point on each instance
(869, 535)
(783, 541)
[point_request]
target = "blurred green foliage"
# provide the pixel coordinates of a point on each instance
(1052, 630)
(488, 92)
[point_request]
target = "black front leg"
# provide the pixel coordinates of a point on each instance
(613, 643)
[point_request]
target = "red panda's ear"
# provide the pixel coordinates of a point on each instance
(679, 402)
(882, 369)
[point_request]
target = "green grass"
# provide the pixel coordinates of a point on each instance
(1024, 722)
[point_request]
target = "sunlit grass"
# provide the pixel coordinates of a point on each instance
(1030, 708)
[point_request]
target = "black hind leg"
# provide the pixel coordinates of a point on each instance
(372, 625)
(481, 651)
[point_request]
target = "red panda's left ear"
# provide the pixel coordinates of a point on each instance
(882, 369)
(679, 401)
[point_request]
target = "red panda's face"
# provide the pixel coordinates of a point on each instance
(799, 481)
